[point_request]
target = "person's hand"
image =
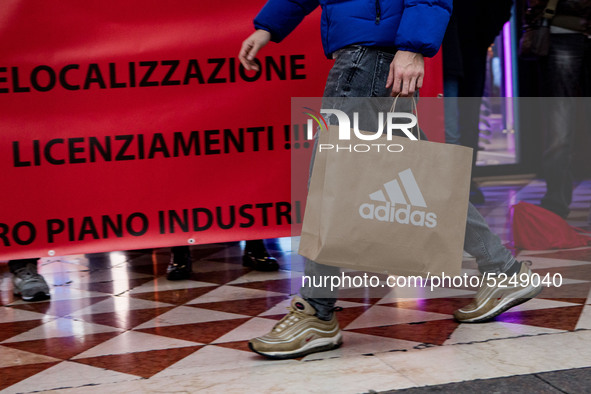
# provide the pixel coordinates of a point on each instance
(406, 73)
(250, 48)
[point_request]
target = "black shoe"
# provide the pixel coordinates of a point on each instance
(259, 263)
(180, 266)
(256, 257)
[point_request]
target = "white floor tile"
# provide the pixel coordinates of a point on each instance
(8, 314)
(70, 374)
(378, 316)
(163, 284)
(230, 293)
(10, 357)
(258, 276)
(348, 375)
(133, 342)
(119, 303)
(62, 327)
(466, 333)
(188, 315)
(254, 327)
(355, 344)
(585, 319)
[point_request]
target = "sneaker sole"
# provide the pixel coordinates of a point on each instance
(40, 296)
(318, 345)
(503, 307)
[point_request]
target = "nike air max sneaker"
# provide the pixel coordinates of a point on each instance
(496, 296)
(299, 333)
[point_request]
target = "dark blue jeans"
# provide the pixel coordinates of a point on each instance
(361, 72)
(566, 74)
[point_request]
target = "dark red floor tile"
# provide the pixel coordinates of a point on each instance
(347, 315)
(13, 375)
(11, 329)
(433, 332)
(576, 293)
(126, 319)
(63, 347)
(144, 364)
(239, 345)
(60, 308)
(230, 259)
(176, 297)
(557, 318)
(146, 257)
(198, 332)
(156, 269)
(104, 261)
(219, 277)
(204, 252)
(249, 306)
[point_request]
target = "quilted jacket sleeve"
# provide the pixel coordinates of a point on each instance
(280, 17)
(423, 25)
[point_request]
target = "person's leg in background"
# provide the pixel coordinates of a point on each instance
(28, 283)
(180, 266)
(471, 87)
(478, 23)
(562, 74)
(255, 256)
(452, 74)
(450, 107)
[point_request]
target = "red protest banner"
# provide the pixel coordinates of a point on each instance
(128, 125)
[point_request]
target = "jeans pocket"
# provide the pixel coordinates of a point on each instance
(354, 62)
(344, 70)
(380, 76)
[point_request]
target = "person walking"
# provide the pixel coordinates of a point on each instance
(378, 49)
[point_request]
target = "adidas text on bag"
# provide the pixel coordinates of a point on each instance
(410, 209)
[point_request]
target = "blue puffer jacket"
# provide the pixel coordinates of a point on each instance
(410, 25)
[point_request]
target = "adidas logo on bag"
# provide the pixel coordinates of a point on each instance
(401, 213)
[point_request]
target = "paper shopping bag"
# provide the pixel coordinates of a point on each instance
(390, 206)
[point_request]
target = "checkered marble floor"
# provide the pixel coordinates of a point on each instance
(115, 323)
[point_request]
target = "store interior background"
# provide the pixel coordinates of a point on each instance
(511, 128)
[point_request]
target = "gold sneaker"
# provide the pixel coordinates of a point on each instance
(497, 296)
(299, 333)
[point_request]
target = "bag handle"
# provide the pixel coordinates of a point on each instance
(414, 109)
